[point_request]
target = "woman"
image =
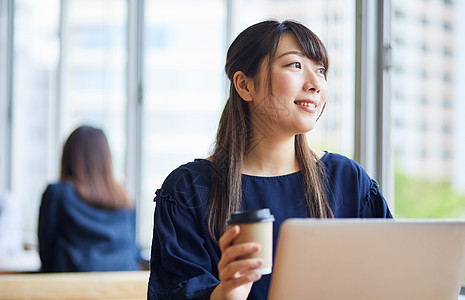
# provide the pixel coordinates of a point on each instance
(261, 160)
(86, 221)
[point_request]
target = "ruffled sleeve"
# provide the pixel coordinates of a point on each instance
(352, 193)
(374, 204)
(184, 258)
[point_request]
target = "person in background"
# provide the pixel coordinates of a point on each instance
(261, 159)
(86, 221)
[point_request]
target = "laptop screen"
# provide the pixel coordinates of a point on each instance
(369, 259)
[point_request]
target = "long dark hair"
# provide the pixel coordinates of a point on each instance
(233, 139)
(86, 163)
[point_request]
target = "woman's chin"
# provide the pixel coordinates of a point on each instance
(306, 129)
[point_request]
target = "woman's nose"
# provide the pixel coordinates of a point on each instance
(312, 83)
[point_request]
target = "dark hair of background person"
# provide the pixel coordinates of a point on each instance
(87, 164)
(246, 54)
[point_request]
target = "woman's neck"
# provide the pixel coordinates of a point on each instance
(271, 157)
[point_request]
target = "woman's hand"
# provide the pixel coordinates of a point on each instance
(236, 274)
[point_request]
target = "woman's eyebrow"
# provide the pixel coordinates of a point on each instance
(290, 53)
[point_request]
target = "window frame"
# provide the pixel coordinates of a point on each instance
(134, 115)
(6, 90)
(372, 102)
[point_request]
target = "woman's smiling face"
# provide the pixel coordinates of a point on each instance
(298, 91)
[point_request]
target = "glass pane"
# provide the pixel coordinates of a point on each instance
(36, 50)
(334, 22)
(4, 91)
(94, 72)
(184, 90)
(427, 103)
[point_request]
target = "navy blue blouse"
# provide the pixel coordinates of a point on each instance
(76, 237)
(184, 258)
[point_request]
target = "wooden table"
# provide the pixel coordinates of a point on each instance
(88, 285)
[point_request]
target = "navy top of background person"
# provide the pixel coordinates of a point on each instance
(86, 221)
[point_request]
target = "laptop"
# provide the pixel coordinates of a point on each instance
(369, 259)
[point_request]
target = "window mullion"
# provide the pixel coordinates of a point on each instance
(372, 109)
(134, 99)
(6, 89)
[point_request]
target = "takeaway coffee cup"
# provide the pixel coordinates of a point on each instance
(256, 226)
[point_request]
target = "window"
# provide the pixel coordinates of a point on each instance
(184, 91)
(427, 132)
(33, 149)
(47, 107)
(82, 78)
(93, 72)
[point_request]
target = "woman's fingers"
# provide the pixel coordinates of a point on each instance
(246, 278)
(237, 270)
(235, 252)
(228, 237)
(240, 268)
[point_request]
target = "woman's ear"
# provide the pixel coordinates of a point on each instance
(244, 85)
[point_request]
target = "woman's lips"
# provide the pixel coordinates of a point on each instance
(307, 105)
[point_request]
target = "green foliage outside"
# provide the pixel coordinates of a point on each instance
(426, 199)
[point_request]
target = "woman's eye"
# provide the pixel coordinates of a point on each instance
(296, 65)
(321, 71)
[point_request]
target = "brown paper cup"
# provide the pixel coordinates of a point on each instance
(256, 226)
